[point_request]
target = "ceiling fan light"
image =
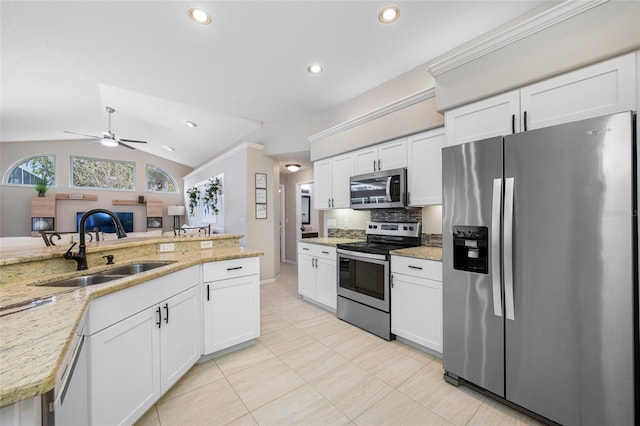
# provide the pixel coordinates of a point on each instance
(293, 167)
(108, 142)
(191, 124)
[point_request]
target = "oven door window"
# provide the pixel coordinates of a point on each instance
(364, 281)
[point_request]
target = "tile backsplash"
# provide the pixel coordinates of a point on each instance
(389, 215)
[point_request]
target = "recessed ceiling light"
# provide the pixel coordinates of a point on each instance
(191, 124)
(389, 14)
(168, 148)
(200, 16)
(293, 167)
(314, 69)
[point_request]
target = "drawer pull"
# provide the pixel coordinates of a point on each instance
(305, 248)
(325, 252)
(235, 268)
(415, 267)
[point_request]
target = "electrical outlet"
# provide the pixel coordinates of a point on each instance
(167, 247)
(206, 244)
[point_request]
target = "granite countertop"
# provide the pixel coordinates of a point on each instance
(420, 252)
(33, 341)
(326, 241)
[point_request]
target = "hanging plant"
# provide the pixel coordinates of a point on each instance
(211, 191)
(194, 194)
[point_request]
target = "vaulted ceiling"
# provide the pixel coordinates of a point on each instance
(62, 63)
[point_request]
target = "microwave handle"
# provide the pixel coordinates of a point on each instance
(389, 188)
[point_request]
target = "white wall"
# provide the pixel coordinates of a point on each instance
(239, 166)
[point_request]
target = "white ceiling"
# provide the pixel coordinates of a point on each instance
(62, 63)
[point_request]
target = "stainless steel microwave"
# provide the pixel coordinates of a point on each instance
(379, 190)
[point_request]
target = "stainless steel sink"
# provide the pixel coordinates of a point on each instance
(109, 275)
(134, 268)
(83, 281)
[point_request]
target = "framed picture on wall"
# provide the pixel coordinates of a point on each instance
(261, 196)
(261, 211)
(261, 180)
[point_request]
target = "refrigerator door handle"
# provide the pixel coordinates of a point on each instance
(495, 247)
(508, 249)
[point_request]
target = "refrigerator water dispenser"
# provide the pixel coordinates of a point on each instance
(471, 248)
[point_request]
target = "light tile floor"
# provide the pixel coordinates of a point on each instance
(310, 368)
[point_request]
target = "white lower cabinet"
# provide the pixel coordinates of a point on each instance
(136, 355)
(317, 274)
(231, 303)
(416, 301)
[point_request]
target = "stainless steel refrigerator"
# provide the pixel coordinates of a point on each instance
(540, 272)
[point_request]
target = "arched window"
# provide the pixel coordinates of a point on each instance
(28, 170)
(160, 181)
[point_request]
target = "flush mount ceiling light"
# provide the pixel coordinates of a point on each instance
(108, 142)
(191, 124)
(314, 69)
(199, 16)
(389, 15)
(168, 148)
(293, 167)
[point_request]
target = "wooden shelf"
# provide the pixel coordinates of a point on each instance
(79, 197)
(127, 203)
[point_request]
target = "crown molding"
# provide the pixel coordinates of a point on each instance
(420, 96)
(527, 28)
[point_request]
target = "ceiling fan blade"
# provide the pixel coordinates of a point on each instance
(81, 134)
(124, 144)
(131, 140)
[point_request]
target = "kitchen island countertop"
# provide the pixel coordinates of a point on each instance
(34, 340)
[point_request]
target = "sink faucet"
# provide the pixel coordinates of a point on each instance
(81, 256)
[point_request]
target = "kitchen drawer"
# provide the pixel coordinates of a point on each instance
(420, 268)
(224, 269)
(317, 250)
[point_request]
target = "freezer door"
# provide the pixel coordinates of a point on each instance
(473, 339)
(570, 344)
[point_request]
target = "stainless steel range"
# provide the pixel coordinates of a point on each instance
(364, 275)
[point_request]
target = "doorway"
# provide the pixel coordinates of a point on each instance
(283, 245)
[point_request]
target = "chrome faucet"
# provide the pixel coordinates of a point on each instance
(81, 256)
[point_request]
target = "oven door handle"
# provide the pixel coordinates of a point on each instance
(357, 255)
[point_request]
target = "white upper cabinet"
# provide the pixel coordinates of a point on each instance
(331, 182)
(424, 167)
(495, 116)
(604, 88)
(385, 156)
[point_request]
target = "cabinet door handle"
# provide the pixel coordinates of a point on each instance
(374, 165)
(235, 268)
(329, 203)
(333, 203)
(159, 323)
(415, 267)
(513, 124)
(391, 280)
(166, 310)
(379, 165)
(208, 292)
(525, 121)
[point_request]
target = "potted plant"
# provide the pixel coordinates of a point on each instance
(194, 194)
(41, 186)
(211, 192)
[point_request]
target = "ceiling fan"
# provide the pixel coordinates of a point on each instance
(109, 138)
